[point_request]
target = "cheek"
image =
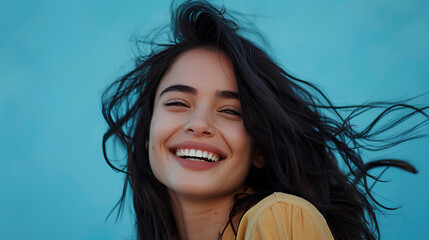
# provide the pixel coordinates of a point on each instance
(239, 140)
(242, 147)
(156, 146)
(159, 131)
(163, 127)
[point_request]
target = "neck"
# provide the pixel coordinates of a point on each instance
(201, 218)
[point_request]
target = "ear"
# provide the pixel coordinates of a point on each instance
(259, 161)
(146, 146)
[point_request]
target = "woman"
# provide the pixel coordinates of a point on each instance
(222, 143)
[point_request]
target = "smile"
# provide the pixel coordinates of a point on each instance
(197, 155)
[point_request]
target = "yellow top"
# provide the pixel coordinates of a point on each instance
(281, 216)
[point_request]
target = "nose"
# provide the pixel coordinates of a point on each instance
(199, 124)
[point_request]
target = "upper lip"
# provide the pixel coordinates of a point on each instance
(199, 146)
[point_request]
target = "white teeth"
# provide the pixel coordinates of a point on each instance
(196, 155)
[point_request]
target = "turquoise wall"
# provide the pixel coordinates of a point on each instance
(56, 57)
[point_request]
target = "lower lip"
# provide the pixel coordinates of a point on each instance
(195, 165)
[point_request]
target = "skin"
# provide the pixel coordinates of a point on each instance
(201, 199)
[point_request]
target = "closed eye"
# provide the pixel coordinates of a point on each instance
(231, 112)
(176, 103)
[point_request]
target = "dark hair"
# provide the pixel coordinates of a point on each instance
(299, 133)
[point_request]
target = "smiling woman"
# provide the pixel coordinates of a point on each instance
(222, 143)
(197, 112)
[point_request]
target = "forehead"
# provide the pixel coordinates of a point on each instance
(201, 69)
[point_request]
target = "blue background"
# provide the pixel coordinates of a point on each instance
(56, 57)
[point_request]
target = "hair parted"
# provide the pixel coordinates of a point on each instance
(301, 135)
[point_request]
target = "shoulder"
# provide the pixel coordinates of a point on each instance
(283, 216)
(279, 199)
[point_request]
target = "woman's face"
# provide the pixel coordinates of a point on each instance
(198, 146)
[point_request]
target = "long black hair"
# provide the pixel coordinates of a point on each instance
(301, 135)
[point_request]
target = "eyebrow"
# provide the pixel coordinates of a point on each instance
(228, 94)
(193, 91)
(179, 88)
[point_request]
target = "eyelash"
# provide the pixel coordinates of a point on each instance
(181, 104)
(230, 111)
(176, 103)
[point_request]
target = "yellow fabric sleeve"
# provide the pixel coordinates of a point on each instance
(282, 216)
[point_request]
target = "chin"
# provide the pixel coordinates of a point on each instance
(193, 190)
(202, 191)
